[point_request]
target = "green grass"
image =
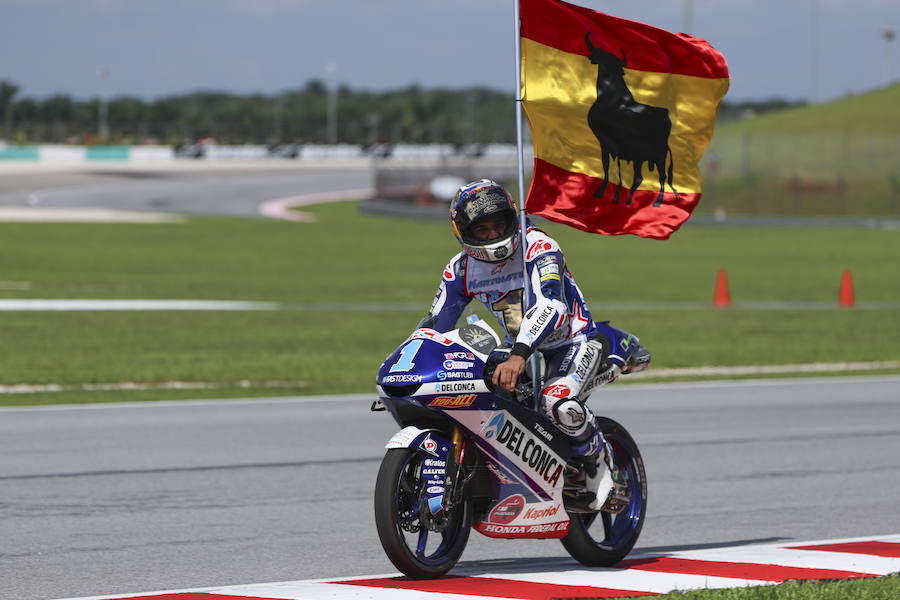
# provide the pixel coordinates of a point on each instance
(394, 265)
(873, 113)
(882, 588)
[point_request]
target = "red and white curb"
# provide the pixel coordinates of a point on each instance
(637, 576)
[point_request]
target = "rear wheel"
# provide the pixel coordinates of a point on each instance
(602, 539)
(421, 545)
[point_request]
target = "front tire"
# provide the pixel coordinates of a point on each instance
(601, 539)
(415, 550)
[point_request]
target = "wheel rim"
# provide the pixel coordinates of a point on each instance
(430, 548)
(614, 532)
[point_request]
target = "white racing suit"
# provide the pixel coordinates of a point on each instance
(579, 353)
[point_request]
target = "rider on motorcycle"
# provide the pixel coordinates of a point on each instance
(579, 354)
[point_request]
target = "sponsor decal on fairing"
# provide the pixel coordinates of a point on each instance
(529, 450)
(454, 401)
(480, 339)
(402, 379)
(507, 510)
(454, 365)
(457, 386)
(501, 477)
(429, 446)
(548, 530)
(459, 356)
(537, 514)
(543, 432)
(443, 375)
(430, 334)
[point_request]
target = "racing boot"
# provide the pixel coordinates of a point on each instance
(637, 362)
(593, 482)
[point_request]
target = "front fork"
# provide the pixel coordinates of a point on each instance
(442, 473)
(456, 479)
(454, 475)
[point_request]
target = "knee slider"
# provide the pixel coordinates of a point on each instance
(569, 415)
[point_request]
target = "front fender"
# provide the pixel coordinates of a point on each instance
(414, 437)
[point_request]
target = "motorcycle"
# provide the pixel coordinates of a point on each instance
(470, 456)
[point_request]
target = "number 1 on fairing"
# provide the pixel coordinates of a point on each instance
(405, 362)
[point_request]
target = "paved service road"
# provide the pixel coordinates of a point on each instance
(196, 189)
(117, 499)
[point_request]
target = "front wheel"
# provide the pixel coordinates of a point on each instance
(601, 539)
(421, 545)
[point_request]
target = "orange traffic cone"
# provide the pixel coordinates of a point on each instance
(721, 297)
(845, 295)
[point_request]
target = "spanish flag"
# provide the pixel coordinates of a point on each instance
(620, 114)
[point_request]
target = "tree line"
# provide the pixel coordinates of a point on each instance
(407, 115)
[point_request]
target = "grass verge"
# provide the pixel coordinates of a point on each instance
(383, 271)
(881, 588)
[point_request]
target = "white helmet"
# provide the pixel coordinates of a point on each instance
(475, 201)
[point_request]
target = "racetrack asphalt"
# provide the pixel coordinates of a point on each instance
(103, 499)
(185, 189)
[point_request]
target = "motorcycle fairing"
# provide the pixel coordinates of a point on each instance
(527, 475)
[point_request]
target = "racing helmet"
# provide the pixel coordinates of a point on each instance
(478, 200)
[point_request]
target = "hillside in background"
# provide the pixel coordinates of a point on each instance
(875, 112)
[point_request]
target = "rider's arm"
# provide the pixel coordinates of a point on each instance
(451, 297)
(548, 314)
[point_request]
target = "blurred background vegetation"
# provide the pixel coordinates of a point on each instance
(408, 115)
(769, 158)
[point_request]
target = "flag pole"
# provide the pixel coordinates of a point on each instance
(531, 363)
(520, 157)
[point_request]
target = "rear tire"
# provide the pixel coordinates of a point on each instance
(398, 494)
(601, 539)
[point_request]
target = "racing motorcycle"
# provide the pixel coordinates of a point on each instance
(470, 455)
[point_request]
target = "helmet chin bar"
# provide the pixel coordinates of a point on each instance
(494, 252)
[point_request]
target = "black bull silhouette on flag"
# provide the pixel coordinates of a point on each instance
(626, 129)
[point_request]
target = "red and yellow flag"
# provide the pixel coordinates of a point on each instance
(620, 114)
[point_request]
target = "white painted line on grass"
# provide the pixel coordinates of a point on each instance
(42, 214)
(768, 369)
(104, 305)
(128, 386)
(259, 401)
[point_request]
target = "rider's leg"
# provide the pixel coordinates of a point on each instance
(572, 374)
